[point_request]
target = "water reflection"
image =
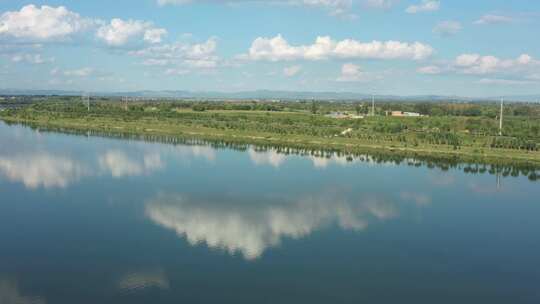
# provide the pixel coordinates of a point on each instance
(420, 199)
(269, 157)
(10, 294)
(250, 229)
(140, 281)
(322, 162)
(39, 159)
(119, 164)
(46, 161)
(42, 170)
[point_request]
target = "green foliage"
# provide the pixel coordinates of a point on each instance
(451, 125)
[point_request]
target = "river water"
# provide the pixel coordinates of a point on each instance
(88, 219)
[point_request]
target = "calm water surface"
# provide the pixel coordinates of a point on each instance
(101, 220)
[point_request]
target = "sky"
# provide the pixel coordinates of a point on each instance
(399, 47)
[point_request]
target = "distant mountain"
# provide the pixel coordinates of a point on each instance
(270, 95)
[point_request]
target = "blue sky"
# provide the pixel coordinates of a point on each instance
(402, 47)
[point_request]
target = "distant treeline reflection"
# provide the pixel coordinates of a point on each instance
(502, 168)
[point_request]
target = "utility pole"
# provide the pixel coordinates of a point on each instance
(373, 105)
(501, 117)
(85, 97)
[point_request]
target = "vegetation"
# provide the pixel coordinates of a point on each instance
(464, 129)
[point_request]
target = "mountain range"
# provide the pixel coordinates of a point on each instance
(269, 95)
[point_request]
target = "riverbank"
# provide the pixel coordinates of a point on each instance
(167, 128)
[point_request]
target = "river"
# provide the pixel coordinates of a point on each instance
(89, 219)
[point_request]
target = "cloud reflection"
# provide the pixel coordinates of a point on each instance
(119, 164)
(139, 281)
(321, 162)
(42, 170)
(10, 294)
(269, 157)
(420, 199)
(251, 229)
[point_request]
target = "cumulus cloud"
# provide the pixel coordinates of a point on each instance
(429, 70)
(119, 32)
(339, 8)
(292, 70)
(477, 64)
(380, 4)
(509, 82)
(176, 72)
(181, 56)
(82, 72)
(517, 71)
(424, 6)
(252, 229)
(278, 49)
(154, 62)
(31, 58)
(493, 19)
(447, 28)
(351, 73)
(42, 23)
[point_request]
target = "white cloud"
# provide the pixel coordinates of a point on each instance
(278, 49)
(520, 70)
(119, 32)
(498, 81)
(424, 6)
(31, 58)
(336, 7)
(339, 8)
(82, 72)
(447, 28)
(430, 70)
(477, 64)
(42, 23)
(493, 19)
(177, 72)
(351, 73)
(181, 56)
(154, 35)
(534, 77)
(153, 62)
(380, 4)
(292, 70)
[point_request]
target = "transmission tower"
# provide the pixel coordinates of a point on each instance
(85, 97)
